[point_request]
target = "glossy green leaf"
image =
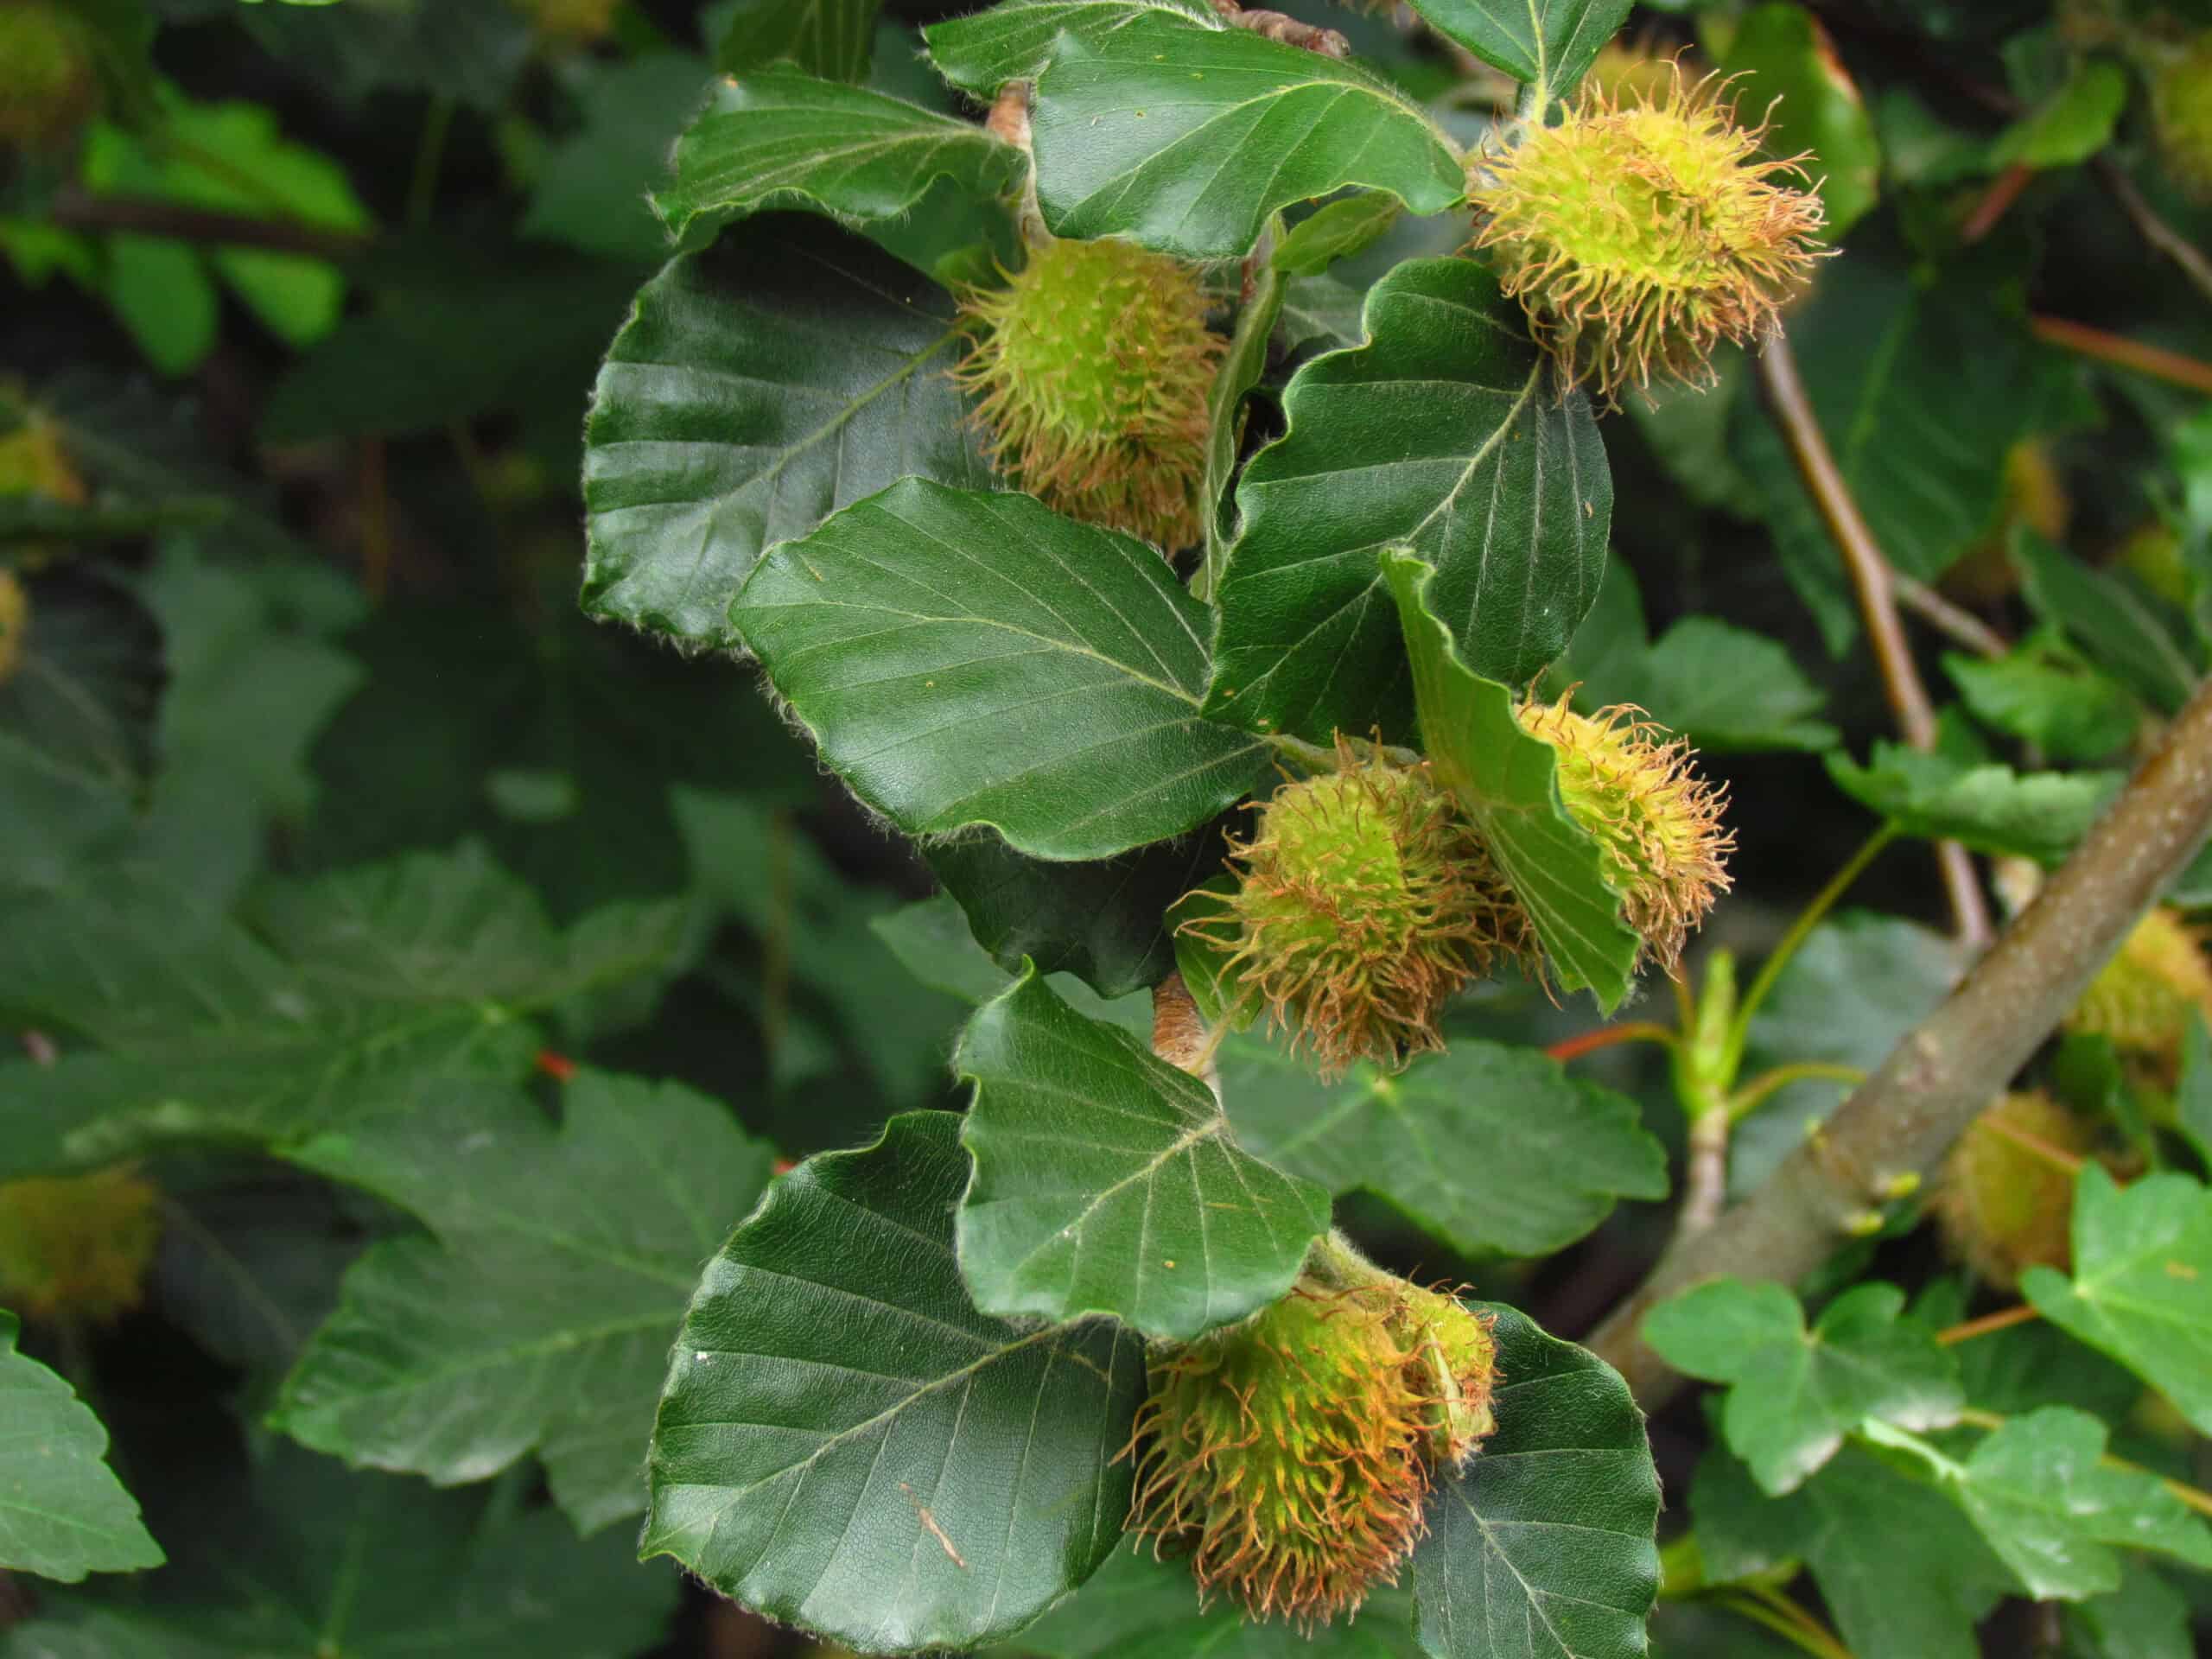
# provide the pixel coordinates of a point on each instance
(2044, 697)
(2142, 1261)
(2145, 1618)
(967, 659)
(1344, 227)
(1542, 1546)
(1102, 921)
(1901, 1568)
(1989, 807)
(1241, 368)
(1443, 435)
(1108, 1182)
(1796, 1393)
(1186, 138)
(1792, 76)
(820, 37)
(1137, 1606)
(538, 1314)
(353, 997)
(1548, 43)
(1555, 1153)
(848, 1446)
(1014, 40)
(2056, 1517)
(1324, 312)
(757, 388)
(304, 1556)
(1503, 780)
(63, 1513)
(776, 138)
(2114, 621)
(2071, 125)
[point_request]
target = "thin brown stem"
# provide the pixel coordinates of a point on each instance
(1903, 1120)
(1754, 1093)
(74, 209)
(2004, 1319)
(1870, 576)
(1589, 1042)
(1996, 201)
(2155, 230)
(1962, 625)
(1705, 1183)
(2123, 352)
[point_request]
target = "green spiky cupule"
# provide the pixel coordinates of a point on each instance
(1094, 365)
(1638, 235)
(2004, 1207)
(1656, 821)
(77, 1248)
(49, 80)
(1290, 1455)
(1363, 902)
(2181, 107)
(2142, 998)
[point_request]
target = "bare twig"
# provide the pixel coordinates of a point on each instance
(1899, 1124)
(1962, 625)
(1871, 577)
(1705, 1182)
(2004, 1319)
(74, 209)
(2159, 234)
(2123, 352)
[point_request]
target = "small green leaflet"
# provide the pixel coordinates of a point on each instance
(2113, 620)
(2071, 125)
(1503, 779)
(822, 37)
(1987, 806)
(2041, 693)
(1441, 434)
(1108, 1182)
(2142, 1284)
(1541, 1547)
(757, 388)
(967, 659)
(1556, 1152)
(845, 1445)
(63, 1513)
(1187, 138)
(1797, 1394)
(1547, 43)
(1336, 232)
(1014, 40)
(776, 138)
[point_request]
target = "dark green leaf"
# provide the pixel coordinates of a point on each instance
(2145, 1618)
(86, 677)
(757, 388)
(1797, 1394)
(1548, 43)
(1792, 75)
(1725, 688)
(1108, 1182)
(1101, 921)
(63, 1513)
(309, 1553)
(1441, 434)
(966, 659)
(847, 1444)
(1186, 138)
(1503, 780)
(2193, 1093)
(1554, 1152)
(1989, 807)
(776, 138)
(822, 37)
(1014, 40)
(2041, 695)
(1542, 1545)
(1337, 232)
(2142, 1261)
(538, 1317)
(1322, 310)
(468, 50)
(588, 192)
(2115, 623)
(1900, 1566)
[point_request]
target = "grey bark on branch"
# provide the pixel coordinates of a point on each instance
(1899, 1124)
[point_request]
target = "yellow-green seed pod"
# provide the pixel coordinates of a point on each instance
(2004, 1207)
(1638, 235)
(1656, 821)
(2181, 108)
(1290, 1454)
(2144, 997)
(49, 79)
(1363, 904)
(76, 1248)
(1095, 364)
